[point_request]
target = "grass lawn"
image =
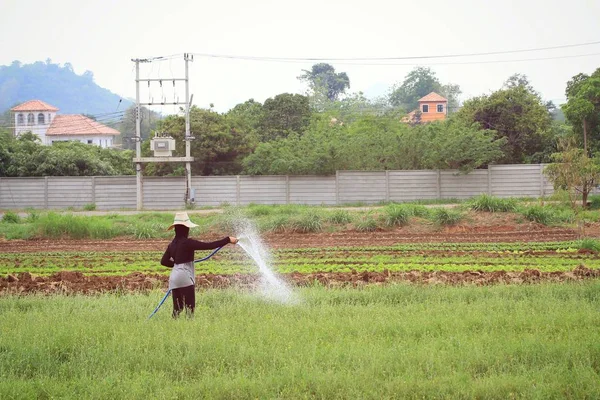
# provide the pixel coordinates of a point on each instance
(398, 341)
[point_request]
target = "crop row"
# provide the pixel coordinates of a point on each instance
(225, 266)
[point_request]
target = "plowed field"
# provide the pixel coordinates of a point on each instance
(476, 254)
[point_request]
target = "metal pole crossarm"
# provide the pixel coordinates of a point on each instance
(161, 80)
(163, 159)
(163, 103)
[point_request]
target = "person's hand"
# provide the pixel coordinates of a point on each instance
(233, 240)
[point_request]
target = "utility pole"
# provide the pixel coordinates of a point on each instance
(138, 137)
(188, 165)
(138, 160)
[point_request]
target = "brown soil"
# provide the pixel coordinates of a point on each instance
(76, 283)
(480, 227)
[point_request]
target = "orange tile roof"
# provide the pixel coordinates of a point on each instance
(34, 105)
(78, 125)
(433, 96)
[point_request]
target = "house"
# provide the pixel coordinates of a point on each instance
(432, 107)
(41, 119)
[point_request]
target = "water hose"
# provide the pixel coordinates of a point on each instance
(169, 291)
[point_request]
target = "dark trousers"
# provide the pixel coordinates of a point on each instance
(184, 297)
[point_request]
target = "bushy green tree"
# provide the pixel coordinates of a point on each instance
(323, 80)
(283, 115)
(515, 113)
(418, 83)
(373, 142)
(220, 143)
(26, 156)
(574, 171)
(582, 109)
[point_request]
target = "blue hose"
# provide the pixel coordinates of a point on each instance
(169, 291)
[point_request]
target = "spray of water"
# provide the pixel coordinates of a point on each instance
(270, 286)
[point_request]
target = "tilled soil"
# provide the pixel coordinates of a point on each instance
(485, 229)
(296, 240)
(77, 283)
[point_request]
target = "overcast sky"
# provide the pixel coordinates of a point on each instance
(103, 37)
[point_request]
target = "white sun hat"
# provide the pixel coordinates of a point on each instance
(181, 218)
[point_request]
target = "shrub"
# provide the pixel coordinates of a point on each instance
(89, 207)
(11, 217)
(485, 202)
(538, 214)
(446, 216)
(396, 215)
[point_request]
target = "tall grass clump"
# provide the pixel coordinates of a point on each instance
(485, 202)
(590, 244)
(417, 210)
(32, 215)
(446, 216)
(307, 222)
(275, 224)
(594, 201)
(67, 225)
(366, 224)
(396, 215)
(89, 207)
(539, 214)
(11, 217)
(259, 210)
(339, 217)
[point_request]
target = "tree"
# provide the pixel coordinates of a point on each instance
(375, 142)
(220, 144)
(284, 114)
(418, 83)
(582, 109)
(148, 123)
(322, 78)
(26, 156)
(515, 113)
(574, 172)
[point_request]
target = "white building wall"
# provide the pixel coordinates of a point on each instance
(103, 141)
(24, 125)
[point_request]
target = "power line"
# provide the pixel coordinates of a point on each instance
(305, 59)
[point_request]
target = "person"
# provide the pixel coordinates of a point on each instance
(180, 257)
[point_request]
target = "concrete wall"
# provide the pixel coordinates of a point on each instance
(168, 193)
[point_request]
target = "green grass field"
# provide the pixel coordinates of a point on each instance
(398, 341)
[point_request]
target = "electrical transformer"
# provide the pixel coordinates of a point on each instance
(162, 146)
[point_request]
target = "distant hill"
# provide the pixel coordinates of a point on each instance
(57, 85)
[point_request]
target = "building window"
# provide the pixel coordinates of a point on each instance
(440, 108)
(425, 108)
(30, 119)
(40, 119)
(20, 119)
(90, 141)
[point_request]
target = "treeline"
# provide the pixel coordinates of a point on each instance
(329, 129)
(26, 156)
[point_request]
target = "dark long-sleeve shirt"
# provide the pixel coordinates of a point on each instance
(181, 250)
